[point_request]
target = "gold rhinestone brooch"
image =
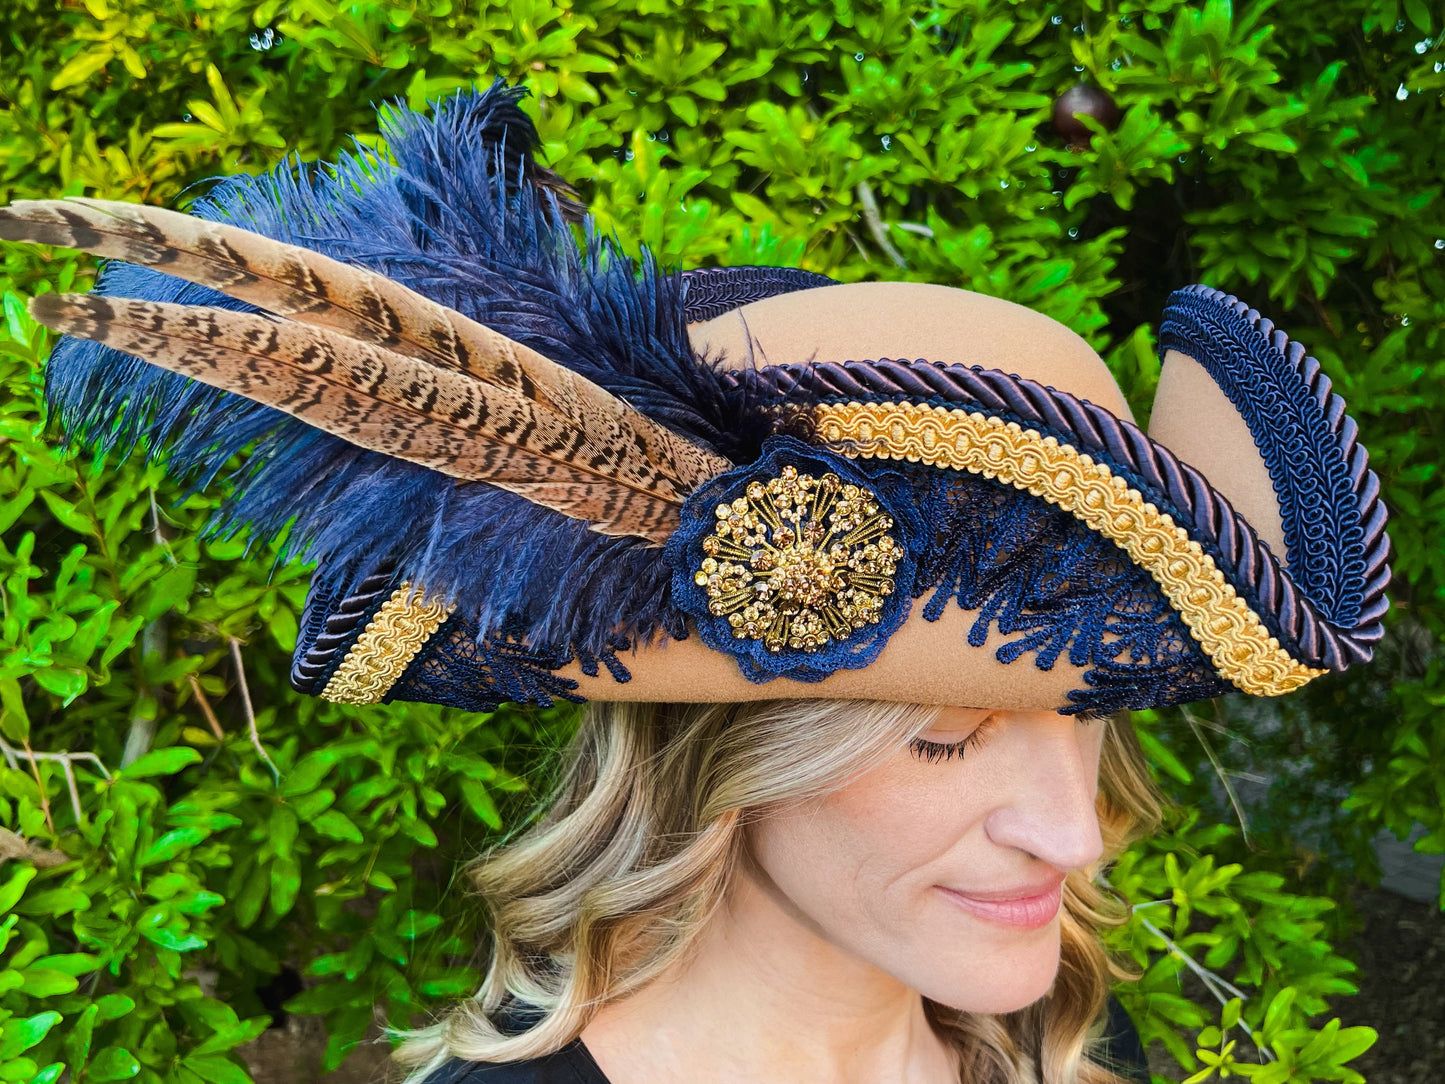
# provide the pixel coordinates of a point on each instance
(799, 561)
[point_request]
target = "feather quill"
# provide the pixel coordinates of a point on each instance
(388, 402)
(314, 289)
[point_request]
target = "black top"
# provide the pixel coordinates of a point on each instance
(1122, 1051)
(570, 1065)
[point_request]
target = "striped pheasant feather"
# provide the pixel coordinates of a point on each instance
(361, 305)
(387, 402)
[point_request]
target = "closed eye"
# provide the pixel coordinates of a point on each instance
(934, 751)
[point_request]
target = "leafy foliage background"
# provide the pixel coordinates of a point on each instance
(179, 826)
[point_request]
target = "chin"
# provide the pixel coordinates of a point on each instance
(996, 982)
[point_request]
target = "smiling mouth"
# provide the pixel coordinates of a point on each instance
(1030, 909)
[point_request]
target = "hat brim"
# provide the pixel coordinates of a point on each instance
(1220, 571)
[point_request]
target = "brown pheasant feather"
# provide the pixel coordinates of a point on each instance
(391, 403)
(360, 304)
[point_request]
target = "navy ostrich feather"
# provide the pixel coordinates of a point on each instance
(461, 213)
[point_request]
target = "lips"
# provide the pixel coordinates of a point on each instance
(1028, 907)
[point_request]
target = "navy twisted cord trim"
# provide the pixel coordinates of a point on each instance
(712, 291)
(334, 617)
(1170, 484)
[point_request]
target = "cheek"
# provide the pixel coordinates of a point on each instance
(866, 854)
(859, 869)
(833, 861)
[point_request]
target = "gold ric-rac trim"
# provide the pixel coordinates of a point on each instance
(392, 638)
(1231, 634)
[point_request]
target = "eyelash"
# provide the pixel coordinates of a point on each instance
(936, 751)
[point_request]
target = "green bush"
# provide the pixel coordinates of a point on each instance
(179, 825)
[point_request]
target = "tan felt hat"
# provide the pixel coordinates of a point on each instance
(531, 472)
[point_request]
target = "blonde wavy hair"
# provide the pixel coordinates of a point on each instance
(615, 882)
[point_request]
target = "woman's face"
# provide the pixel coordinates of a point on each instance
(942, 866)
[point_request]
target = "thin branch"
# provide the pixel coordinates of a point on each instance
(1215, 984)
(40, 786)
(250, 711)
(14, 845)
(156, 531)
(66, 766)
(857, 244)
(142, 730)
(66, 760)
(206, 709)
(1194, 725)
(875, 223)
(913, 227)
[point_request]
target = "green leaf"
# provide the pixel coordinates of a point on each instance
(112, 1063)
(1160, 756)
(66, 513)
(70, 963)
(1272, 141)
(455, 982)
(46, 982)
(113, 1007)
(54, 901)
(81, 67)
(285, 883)
(481, 804)
(1350, 1043)
(14, 887)
(162, 762)
(17, 320)
(169, 939)
(14, 719)
(217, 1070)
(308, 772)
(21, 1035)
(175, 842)
(77, 1043)
(19, 1070)
(337, 826)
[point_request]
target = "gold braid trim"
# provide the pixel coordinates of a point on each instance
(392, 638)
(1231, 634)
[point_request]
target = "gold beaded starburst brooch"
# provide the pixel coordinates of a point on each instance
(799, 561)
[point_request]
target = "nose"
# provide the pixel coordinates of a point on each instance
(1048, 809)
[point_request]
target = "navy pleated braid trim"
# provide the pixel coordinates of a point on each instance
(710, 292)
(1318, 469)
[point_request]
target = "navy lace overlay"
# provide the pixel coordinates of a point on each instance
(756, 661)
(1284, 400)
(459, 669)
(712, 291)
(1052, 586)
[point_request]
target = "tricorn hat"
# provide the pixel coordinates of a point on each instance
(532, 470)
